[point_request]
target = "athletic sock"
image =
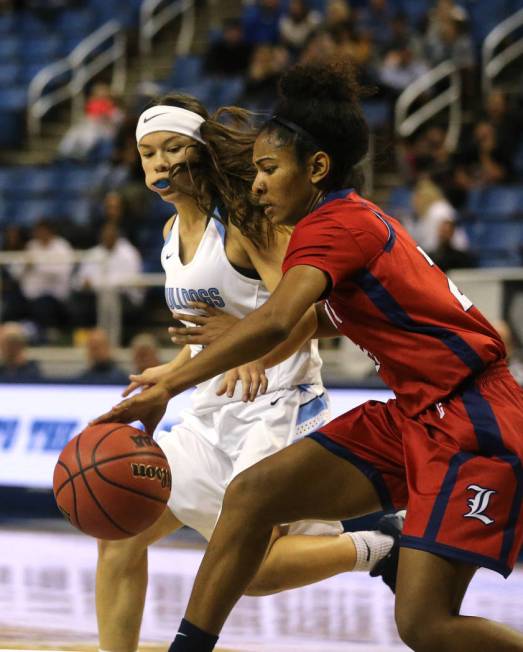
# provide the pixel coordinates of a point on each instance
(371, 546)
(190, 638)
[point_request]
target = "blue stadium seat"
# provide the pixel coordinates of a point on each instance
(7, 23)
(6, 175)
(12, 121)
(187, 71)
(43, 49)
(399, 201)
(9, 48)
(9, 73)
(73, 180)
(416, 10)
(377, 113)
(13, 98)
(502, 201)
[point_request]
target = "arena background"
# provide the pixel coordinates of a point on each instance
(81, 298)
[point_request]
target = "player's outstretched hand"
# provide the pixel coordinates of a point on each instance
(207, 327)
(253, 379)
(147, 378)
(148, 407)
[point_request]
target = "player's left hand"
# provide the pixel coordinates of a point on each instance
(253, 379)
(207, 327)
(148, 407)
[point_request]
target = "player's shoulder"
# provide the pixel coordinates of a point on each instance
(352, 212)
(168, 226)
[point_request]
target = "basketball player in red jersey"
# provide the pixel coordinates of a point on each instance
(449, 447)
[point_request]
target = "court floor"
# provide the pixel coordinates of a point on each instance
(47, 601)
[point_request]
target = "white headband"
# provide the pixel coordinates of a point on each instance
(169, 118)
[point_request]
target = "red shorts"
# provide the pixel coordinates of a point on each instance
(456, 467)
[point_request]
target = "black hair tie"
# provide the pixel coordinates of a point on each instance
(292, 126)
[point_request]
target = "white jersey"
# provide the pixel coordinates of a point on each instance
(210, 277)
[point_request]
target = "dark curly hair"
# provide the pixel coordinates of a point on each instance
(323, 101)
(224, 172)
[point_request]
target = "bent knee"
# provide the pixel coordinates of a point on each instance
(248, 491)
(421, 632)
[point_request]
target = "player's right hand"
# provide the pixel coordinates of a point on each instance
(253, 379)
(148, 407)
(149, 377)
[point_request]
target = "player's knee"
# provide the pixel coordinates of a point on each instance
(246, 494)
(418, 631)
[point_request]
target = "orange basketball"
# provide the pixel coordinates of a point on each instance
(112, 481)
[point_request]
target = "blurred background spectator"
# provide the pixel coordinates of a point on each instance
(514, 352)
(101, 366)
(144, 352)
(112, 264)
(297, 25)
(14, 363)
(45, 281)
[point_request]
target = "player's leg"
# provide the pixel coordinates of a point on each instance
(295, 560)
(308, 551)
(303, 481)
(430, 590)
(121, 584)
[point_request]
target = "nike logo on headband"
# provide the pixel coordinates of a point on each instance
(156, 115)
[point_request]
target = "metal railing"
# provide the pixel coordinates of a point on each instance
(154, 17)
(80, 66)
(493, 64)
(406, 124)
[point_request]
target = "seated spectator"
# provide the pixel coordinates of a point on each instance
(337, 12)
(375, 19)
(45, 280)
(261, 21)
(261, 84)
(98, 125)
(399, 69)
(506, 122)
(13, 304)
(514, 353)
(319, 48)
(482, 162)
(14, 364)
(144, 352)
(297, 25)
(113, 263)
(446, 255)
(101, 366)
(431, 208)
(449, 39)
(229, 55)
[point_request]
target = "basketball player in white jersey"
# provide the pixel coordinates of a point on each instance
(229, 259)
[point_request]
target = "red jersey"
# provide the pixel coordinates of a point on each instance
(388, 297)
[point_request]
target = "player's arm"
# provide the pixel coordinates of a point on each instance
(267, 262)
(250, 339)
(258, 333)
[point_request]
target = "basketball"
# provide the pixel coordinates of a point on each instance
(112, 481)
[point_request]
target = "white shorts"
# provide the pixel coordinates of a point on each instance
(206, 452)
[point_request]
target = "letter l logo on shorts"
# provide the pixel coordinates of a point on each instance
(479, 503)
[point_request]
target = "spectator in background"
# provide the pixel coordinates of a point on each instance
(482, 162)
(113, 263)
(14, 364)
(506, 122)
(337, 13)
(45, 280)
(297, 25)
(431, 208)
(261, 22)
(228, 56)
(98, 125)
(448, 38)
(319, 48)
(144, 352)
(13, 303)
(514, 353)
(101, 366)
(399, 69)
(375, 20)
(446, 255)
(261, 84)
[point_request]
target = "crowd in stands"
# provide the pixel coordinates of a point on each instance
(117, 223)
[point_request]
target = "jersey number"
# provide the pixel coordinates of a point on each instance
(465, 302)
